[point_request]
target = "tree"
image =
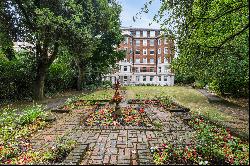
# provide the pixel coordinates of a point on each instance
(93, 49)
(212, 37)
(44, 24)
(6, 22)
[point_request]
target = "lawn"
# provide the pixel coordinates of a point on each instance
(194, 100)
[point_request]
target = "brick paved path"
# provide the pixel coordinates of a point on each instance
(116, 145)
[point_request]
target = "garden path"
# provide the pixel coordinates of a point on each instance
(115, 145)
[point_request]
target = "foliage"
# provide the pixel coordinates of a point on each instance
(57, 153)
(213, 146)
(212, 39)
(60, 77)
(15, 128)
(16, 77)
(88, 30)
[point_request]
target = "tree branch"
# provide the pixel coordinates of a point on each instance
(234, 35)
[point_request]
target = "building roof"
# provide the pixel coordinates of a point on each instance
(137, 28)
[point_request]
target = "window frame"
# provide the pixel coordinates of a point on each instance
(151, 77)
(150, 60)
(125, 67)
(152, 50)
(159, 50)
(150, 42)
(136, 33)
(136, 42)
(152, 33)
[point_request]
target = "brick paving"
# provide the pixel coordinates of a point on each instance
(116, 145)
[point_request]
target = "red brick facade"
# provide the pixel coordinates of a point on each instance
(130, 43)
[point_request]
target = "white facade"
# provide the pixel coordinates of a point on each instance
(162, 77)
(18, 46)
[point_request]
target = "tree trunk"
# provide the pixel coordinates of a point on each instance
(40, 81)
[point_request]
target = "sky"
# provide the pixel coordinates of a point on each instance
(131, 7)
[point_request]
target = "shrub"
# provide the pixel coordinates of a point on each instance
(16, 77)
(59, 78)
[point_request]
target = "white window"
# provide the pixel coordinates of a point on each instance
(125, 68)
(144, 51)
(151, 60)
(131, 60)
(144, 78)
(159, 78)
(152, 52)
(144, 42)
(151, 78)
(159, 51)
(165, 60)
(125, 78)
(165, 41)
(144, 60)
(131, 33)
(137, 70)
(165, 69)
(138, 78)
(137, 60)
(137, 42)
(159, 60)
(137, 51)
(152, 42)
(144, 33)
(165, 50)
(126, 40)
(159, 69)
(130, 51)
(159, 42)
(137, 34)
(165, 78)
(131, 42)
(152, 33)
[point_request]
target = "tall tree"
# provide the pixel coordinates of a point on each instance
(43, 24)
(212, 36)
(94, 50)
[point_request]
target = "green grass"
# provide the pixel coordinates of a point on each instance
(187, 97)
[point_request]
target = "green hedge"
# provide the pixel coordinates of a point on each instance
(16, 79)
(59, 78)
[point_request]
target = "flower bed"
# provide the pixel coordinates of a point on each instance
(214, 146)
(104, 117)
(15, 131)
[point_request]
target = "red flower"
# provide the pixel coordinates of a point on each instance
(231, 160)
(141, 110)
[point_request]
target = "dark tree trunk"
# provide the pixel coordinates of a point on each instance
(44, 61)
(40, 81)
